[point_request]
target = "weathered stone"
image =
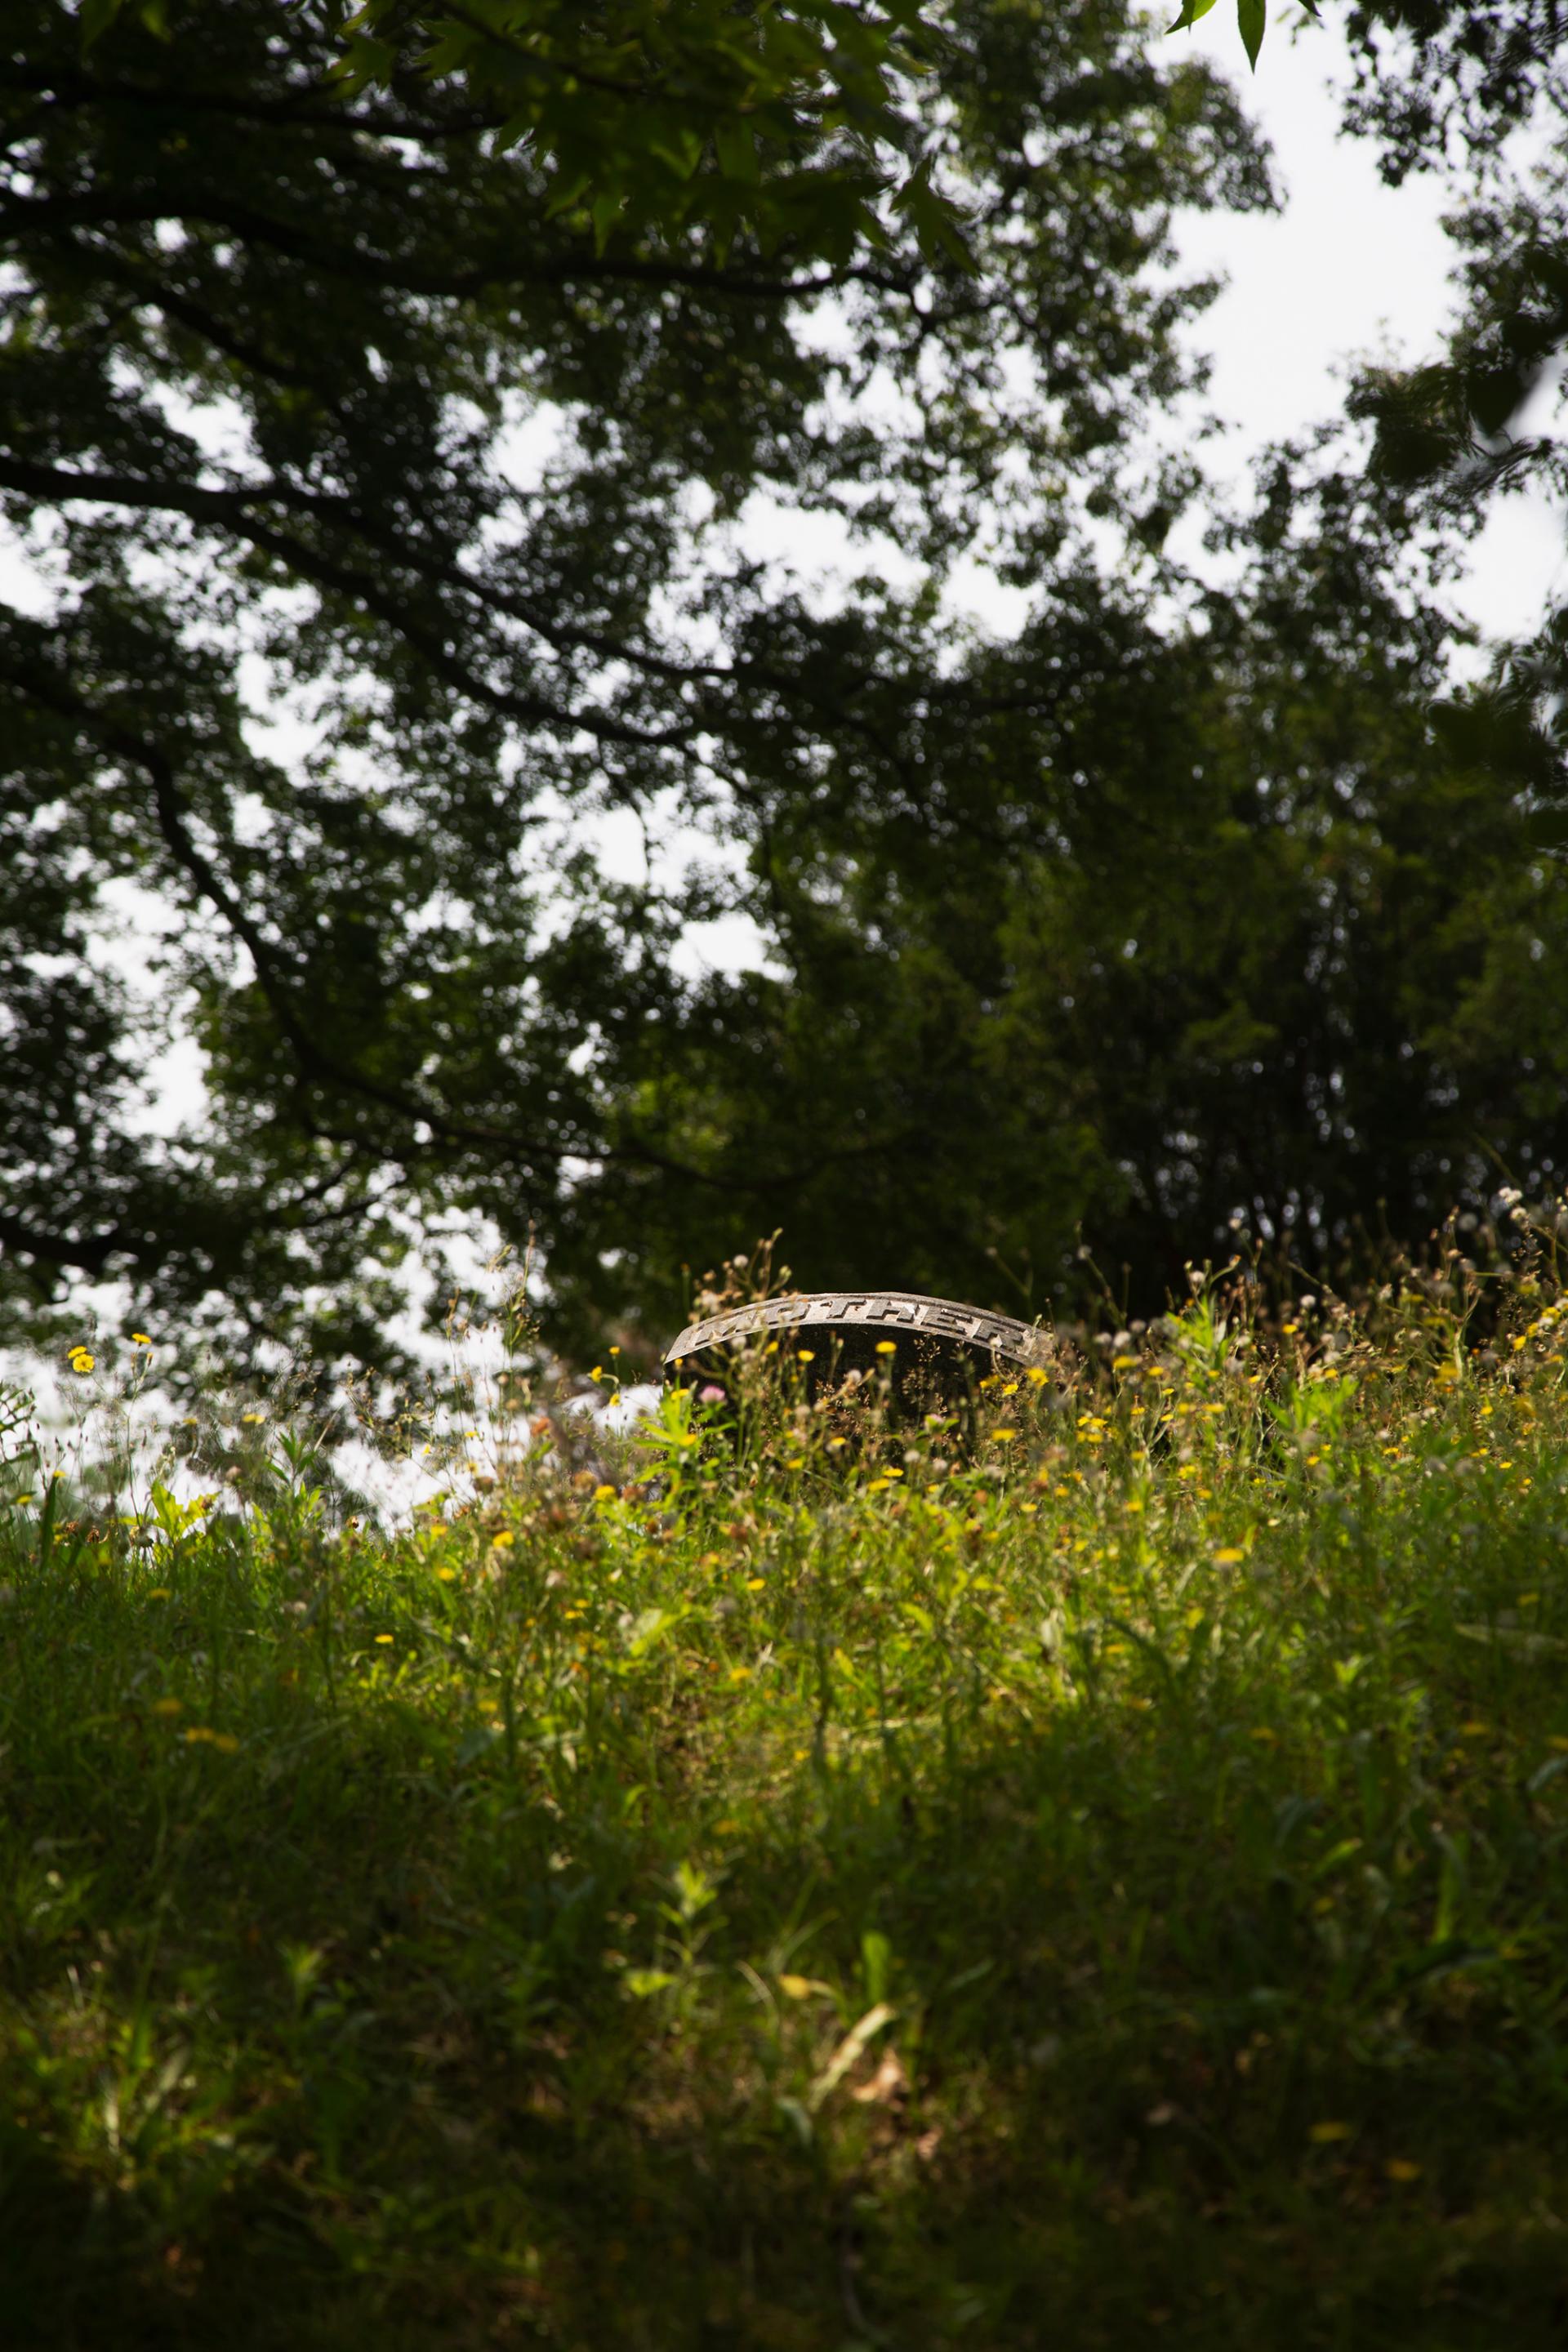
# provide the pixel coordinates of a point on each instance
(948, 1345)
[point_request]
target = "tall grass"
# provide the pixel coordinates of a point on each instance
(1105, 1885)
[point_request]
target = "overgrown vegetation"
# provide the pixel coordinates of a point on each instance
(1108, 1884)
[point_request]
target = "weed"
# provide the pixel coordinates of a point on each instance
(1104, 1881)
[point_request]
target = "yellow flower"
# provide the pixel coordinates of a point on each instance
(225, 1742)
(606, 1494)
(1324, 2134)
(139, 1339)
(806, 1354)
(253, 1417)
(1229, 1557)
(1003, 1436)
(167, 1706)
(504, 1541)
(887, 1347)
(447, 1575)
(1035, 1375)
(159, 1592)
(384, 1638)
(82, 1360)
(755, 1583)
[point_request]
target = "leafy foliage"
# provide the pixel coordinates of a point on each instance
(388, 526)
(274, 345)
(791, 122)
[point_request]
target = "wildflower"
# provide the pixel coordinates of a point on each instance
(806, 1354)
(1035, 1375)
(447, 1575)
(1003, 1436)
(1230, 1557)
(159, 1592)
(167, 1706)
(383, 1639)
(597, 1373)
(253, 1416)
(887, 1347)
(711, 1394)
(503, 1541)
(139, 1339)
(604, 1494)
(82, 1360)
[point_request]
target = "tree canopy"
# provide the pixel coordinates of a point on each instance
(388, 511)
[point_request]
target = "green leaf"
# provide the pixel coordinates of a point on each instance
(1191, 11)
(95, 19)
(1252, 15)
(737, 152)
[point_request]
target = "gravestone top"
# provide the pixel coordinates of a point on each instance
(849, 1323)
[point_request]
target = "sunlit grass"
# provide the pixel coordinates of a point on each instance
(1099, 1883)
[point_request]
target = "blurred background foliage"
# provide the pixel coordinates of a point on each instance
(386, 403)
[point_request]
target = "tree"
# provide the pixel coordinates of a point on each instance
(1161, 933)
(275, 338)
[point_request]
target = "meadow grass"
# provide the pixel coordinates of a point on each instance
(1107, 1886)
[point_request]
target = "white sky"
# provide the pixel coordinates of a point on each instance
(1350, 269)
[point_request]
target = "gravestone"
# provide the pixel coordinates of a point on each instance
(939, 1347)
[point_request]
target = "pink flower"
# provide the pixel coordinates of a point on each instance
(710, 1395)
